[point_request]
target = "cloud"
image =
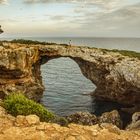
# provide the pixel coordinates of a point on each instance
(105, 3)
(81, 17)
(112, 17)
(123, 21)
(3, 1)
(48, 1)
(58, 17)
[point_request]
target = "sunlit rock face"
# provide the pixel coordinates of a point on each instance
(116, 77)
(30, 127)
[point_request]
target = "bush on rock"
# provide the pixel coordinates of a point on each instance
(18, 104)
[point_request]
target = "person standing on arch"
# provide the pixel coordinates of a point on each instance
(1, 31)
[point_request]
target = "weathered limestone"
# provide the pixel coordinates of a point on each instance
(82, 118)
(27, 120)
(85, 118)
(30, 128)
(135, 124)
(111, 117)
(116, 77)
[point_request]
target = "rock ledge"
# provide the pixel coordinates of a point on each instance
(29, 127)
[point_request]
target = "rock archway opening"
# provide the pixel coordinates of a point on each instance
(66, 89)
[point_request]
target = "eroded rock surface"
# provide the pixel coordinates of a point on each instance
(111, 117)
(30, 128)
(117, 77)
(135, 124)
(85, 118)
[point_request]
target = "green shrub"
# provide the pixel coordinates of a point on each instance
(124, 52)
(61, 121)
(18, 104)
(32, 42)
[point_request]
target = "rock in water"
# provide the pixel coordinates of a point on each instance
(112, 117)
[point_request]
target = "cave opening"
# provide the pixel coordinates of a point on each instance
(66, 89)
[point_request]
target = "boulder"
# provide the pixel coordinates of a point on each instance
(84, 118)
(135, 124)
(27, 120)
(32, 119)
(112, 117)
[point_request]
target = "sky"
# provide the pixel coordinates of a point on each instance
(70, 18)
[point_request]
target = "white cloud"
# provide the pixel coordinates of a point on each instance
(105, 3)
(123, 21)
(3, 1)
(87, 17)
(112, 17)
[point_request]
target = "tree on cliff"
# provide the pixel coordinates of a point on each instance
(1, 31)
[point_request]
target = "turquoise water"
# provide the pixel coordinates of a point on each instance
(66, 88)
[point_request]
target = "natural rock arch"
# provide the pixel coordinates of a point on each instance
(117, 77)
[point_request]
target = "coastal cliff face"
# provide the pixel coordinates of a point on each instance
(116, 77)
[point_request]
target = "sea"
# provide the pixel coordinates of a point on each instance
(66, 90)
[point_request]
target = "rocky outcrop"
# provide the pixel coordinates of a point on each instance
(85, 118)
(135, 124)
(1, 31)
(29, 127)
(112, 117)
(82, 118)
(116, 77)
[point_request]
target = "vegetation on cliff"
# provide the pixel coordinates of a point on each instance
(18, 104)
(22, 41)
(123, 52)
(32, 42)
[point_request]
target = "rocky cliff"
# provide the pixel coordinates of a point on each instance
(117, 77)
(30, 128)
